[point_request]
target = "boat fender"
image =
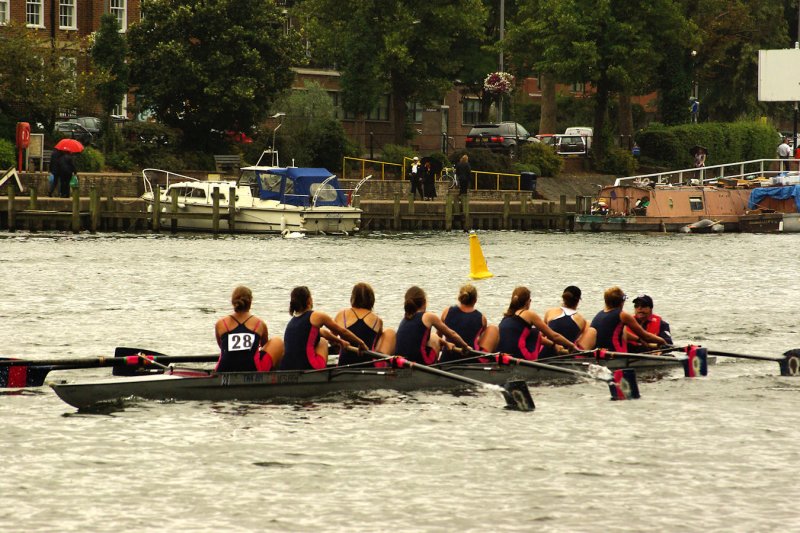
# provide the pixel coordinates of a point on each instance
(283, 223)
(790, 366)
(696, 363)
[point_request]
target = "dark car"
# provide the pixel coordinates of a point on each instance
(503, 137)
(571, 145)
(73, 130)
(92, 124)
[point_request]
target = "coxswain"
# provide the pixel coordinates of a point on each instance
(650, 322)
(521, 329)
(309, 332)
(607, 327)
(243, 338)
(415, 339)
(565, 320)
(365, 324)
(470, 324)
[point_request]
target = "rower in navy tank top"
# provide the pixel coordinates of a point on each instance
(607, 327)
(243, 338)
(521, 329)
(470, 324)
(565, 320)
(366, 325)
(308, 332)
(415, 338)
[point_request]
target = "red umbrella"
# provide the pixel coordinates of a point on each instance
(69, 145)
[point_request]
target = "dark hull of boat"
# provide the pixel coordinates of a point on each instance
(260, 386)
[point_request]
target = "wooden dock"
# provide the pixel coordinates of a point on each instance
(93, 213)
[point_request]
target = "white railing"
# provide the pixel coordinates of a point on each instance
(766, 168)
(169, 177)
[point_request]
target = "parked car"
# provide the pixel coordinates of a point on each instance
(584, 131)
(73, 130)
(92, 124)
(571, 145)
(502, 137)
(550, 139)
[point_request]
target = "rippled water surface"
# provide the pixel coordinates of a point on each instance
(714, 454)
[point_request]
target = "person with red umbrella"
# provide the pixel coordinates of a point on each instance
(65, 165)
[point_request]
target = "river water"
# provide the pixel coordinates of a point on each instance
(712, 454)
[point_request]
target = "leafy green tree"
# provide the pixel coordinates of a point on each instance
(109, 51)
(406, 48)
(37, 80)
(211, 64)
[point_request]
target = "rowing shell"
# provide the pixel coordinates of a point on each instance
(254, 386)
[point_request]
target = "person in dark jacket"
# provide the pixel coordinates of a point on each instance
(63, 171)
(463, 174)
(428, 181)
(416, 178)
(54, 157)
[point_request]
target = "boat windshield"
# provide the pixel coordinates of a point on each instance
(326, 193)
(272, 183)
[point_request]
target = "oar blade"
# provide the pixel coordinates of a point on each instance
(17, 377)
(518, 396)
(696, 362)
(790, 365)
(135, 368)
(623, 385)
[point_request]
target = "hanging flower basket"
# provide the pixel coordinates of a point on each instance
(499, 83)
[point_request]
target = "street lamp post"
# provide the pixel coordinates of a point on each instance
(274, 154)
(502, 66)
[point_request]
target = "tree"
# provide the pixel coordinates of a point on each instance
(36, 78)
(404, 47)
(211, 64)
(109, 52)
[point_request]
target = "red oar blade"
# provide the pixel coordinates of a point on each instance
(623, 385)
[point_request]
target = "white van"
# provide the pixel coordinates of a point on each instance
(583, 131)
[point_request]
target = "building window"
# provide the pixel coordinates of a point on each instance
(119, 9)
(121, 109)
(415, 112)
(33, 13)
(696, 203)
(579, 87)
(471, 111)
(3, 11)
(66, 14)
(381, 109)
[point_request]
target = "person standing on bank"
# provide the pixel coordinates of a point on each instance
(784, 150)
(428, 181)
(62, 173)
(463, 174)
(244, 340)
(416, 178)
(305, 340)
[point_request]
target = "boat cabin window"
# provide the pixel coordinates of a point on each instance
(272, 183)
(696, 203)
(326, 193)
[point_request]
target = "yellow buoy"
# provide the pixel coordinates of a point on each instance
(477, 263)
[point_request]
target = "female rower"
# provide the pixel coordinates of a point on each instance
(469, 323)
(305, 339)
(565, 320)
(244, 340)
(365, 324)
(521, 329)
(607, 327)
(415, 340)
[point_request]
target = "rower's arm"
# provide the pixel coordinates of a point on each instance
(430, 319)
(321, 319)
(631, 322)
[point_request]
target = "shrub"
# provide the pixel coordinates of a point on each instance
(8, 156)
(543, 157)
(394, 153)
(619, 162)
(484, 160)
(120, 161)
(90, 160)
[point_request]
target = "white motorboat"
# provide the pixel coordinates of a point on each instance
(266, 199)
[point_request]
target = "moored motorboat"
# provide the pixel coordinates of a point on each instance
(265, 199)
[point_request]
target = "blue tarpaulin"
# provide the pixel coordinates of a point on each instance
(779, 193)
(297, 187)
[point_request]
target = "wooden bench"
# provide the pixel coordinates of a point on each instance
(227, 163)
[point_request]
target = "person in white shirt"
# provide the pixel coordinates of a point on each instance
(784, 150)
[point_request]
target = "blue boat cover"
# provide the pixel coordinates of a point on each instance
(297, 187)
(779, 193)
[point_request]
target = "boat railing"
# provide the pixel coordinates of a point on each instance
(766, 168)
(163, 178)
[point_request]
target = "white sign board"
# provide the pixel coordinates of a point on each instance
(779, 75)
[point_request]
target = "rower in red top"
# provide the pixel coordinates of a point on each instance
(650, 322)
(470, 324)
(606, 329)
(521, 329)
(243, 338)
(365, 324)
(415, 339)
(308, 333)
(565, 320)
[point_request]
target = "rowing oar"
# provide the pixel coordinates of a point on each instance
(695, 362)
(17, 373)
(789, 362)
(516, 393)
(621, 383)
